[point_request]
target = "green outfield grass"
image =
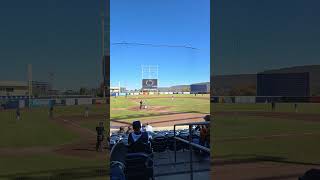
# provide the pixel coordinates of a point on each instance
(34, 130)
(80, 109)
(297, 148)
(183, 104)
(52, 166)
(280, 107)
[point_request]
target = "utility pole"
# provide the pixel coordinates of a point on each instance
(103, 56)
(30, 83)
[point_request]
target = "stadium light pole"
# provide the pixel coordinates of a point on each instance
(29, 84)
(103, 55)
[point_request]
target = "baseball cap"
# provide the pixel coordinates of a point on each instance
(136, 124)
(207, 118)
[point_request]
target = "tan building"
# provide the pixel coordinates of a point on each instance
(13, 88)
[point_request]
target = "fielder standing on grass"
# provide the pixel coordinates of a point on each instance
(18, 115)
(86, 114)
(51, 112)
(273, 105)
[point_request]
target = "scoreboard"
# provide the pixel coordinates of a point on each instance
(149, 83)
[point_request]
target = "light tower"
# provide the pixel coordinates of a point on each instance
(149, 77)
(105, 38)
(29, 83)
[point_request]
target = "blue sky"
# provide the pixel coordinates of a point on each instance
(54, 36)
(178, 22)
(256, 35)
(64, 37)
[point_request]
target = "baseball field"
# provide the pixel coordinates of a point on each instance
(37, 147)
(254, 142)
(163, 111)
(250, 140)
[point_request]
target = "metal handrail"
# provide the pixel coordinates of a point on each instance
(194, 144)
(191, 144)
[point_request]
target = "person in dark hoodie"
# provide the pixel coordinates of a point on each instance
(100, 136)
(138, 140)
(137, 134)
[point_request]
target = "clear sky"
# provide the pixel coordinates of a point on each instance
(256, 35)
(60, 36)
(63, 36)
(171, 22)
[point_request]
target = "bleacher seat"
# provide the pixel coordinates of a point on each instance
(159, 144)
(139, 166)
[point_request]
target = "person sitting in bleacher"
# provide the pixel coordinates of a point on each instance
(203, 135)
(138, 140)
(129, 130)
(149, 128)
(121, 130)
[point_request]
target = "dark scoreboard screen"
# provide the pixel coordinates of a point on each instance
(149, 83)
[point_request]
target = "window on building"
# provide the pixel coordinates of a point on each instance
(9, 89)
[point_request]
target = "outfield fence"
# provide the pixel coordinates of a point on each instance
(263, 99)
(13, 102)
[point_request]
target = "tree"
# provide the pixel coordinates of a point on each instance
(249, 90)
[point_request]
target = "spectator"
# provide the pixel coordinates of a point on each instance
(100, 136)
(143, 128)
(203, 135)
(121, 130)
(137, 135)
(149, 128)
(207, 118)
(208, 136)
(129, 130)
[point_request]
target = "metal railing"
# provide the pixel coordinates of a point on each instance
(191, 144)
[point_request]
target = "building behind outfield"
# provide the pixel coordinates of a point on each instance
(13, 88)
(20, 88)
(201, 88)
(283, 84)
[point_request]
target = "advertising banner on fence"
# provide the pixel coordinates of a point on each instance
(245, 99)
(22, 103)
(84, 101)
(70, 102)
(40, 102)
